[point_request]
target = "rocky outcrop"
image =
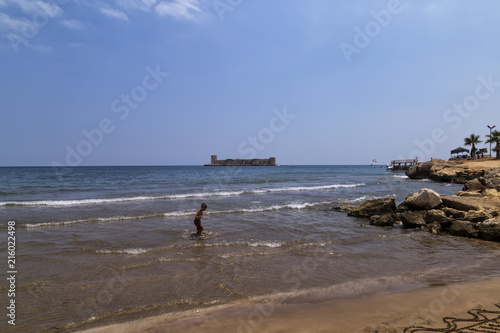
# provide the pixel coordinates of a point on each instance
(446, 171)
(480, 178)
(427, 210)
(374, 207)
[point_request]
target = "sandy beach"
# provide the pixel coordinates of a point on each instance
(473, 305)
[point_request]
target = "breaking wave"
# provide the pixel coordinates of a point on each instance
(68, 203)
(175, 214)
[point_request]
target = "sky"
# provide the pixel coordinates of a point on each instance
(172, 82)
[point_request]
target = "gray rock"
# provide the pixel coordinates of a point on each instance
(464, 229)
(385, 220)
(456, 203)
(477, 216)
(474, 185)
(490, 230)
(470, 193)
(454, 213)
(492, 212)
(412, 220)
(435, 215)
(491, 192)
(346, 208)
(420, 171)
(374, 207)
(435, 228)
(424, 199)
(402, 207)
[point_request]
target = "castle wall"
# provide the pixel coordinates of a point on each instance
(242, 162)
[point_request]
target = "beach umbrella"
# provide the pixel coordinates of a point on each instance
(459, 150)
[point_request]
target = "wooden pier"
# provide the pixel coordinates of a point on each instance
(402, 164)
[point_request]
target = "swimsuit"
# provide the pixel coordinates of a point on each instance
(198, 225)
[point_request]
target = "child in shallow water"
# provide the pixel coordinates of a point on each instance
(197, 218)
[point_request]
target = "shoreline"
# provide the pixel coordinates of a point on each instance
(418, 310)
(472, 212)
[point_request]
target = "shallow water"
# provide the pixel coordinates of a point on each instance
(103, 245)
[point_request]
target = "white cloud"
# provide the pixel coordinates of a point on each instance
(74, 24)
(178, 8)
(137, 4)
(114, 13)
(36, 7)
(51, 9)
(8, 23)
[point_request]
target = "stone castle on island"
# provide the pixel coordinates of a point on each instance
(242, 162)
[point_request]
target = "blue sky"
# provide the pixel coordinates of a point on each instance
(162, 82)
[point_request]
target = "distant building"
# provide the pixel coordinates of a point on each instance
(242, 162)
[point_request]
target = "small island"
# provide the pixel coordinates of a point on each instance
(242, 162)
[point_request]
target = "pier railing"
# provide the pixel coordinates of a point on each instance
(403, 164)
(415, 161)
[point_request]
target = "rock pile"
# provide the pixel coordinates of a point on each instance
(480, 181)
(427, 210)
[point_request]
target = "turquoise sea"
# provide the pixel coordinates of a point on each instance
(100, 245)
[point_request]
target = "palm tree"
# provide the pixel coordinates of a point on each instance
(495, 138)
(473, 139)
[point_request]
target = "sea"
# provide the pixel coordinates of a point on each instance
(102, 245)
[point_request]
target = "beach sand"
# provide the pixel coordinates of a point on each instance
(414, 311)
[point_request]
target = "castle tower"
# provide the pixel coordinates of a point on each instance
(214, 160)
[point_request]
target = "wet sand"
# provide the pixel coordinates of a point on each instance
(420, 310)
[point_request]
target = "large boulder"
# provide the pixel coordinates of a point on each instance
(412, 220)
(490, 230)
(464, 229)
(420, 170)
(424, 199)
(374, 207)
